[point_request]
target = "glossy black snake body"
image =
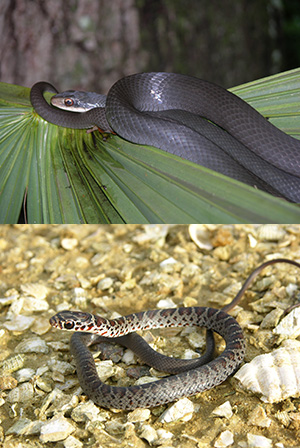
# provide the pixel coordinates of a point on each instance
(166, 110)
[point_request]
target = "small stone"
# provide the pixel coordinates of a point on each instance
(35, 290)
(128, 357)
(63, 367)
(12, 364)
(32, 345)
(21, 394)
(258, 417)
(255, 441)
(23, 375)
(224, 410)
(167, 261)
(69, 243)
(72, 442)
(182, 410)
(105, 369)
(19, 323)
(8, 382)
(139, 415)
(163, 435)
(105, 283)
(196, 340)
(24, 426)
(148, 433)
(224, 439)
(56, 429)
(85, 412)
(166, 303)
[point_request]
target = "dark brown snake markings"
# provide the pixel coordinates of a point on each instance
(198, 378)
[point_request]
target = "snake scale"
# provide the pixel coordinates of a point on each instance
(194, 119)
(194, 377)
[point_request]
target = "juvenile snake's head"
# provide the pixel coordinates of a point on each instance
(72, 321)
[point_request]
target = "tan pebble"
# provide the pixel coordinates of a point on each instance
(258, 417)
(21, 394)
(35, 290)
(223, 237)
(8, 382)
(283, 417)
(72, 442)
(12, 364)
(223, 253)
(139, 415)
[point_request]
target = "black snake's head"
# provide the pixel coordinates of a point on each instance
(72, 321)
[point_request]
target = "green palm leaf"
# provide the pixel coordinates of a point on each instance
(72, 176)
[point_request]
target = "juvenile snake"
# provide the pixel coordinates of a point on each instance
(198, 378)
(166, 110)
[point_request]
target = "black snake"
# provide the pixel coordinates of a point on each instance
(194, 377)
(166, 110)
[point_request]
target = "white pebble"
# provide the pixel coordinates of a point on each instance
(72, 442)
(32, 345)
(224, 410)
(255, 441)
(128, 357)
(148, 433)
(182, 410)
(21, 394)
(163, 435)
(35, 290)
(105, 283)
(56, 429)
(63, 367)
(167, 261)
(224, 439)
(196, 340)
(139, 415)
(85, 411)
(289, 327)
(23, 375)
(166, 303)
(69, 243)
(24, 426)
(105, 369)
(19, 323)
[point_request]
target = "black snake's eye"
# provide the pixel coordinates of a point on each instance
(68, 102)
(69, 325)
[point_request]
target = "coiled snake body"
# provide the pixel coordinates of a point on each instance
(198, 378)
(167, 389)
(166, 110)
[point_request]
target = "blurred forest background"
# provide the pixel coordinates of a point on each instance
(89, 44)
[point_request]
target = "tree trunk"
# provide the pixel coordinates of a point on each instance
(90, 44)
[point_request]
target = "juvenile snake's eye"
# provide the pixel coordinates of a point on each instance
(68, 102)
(69, 325)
